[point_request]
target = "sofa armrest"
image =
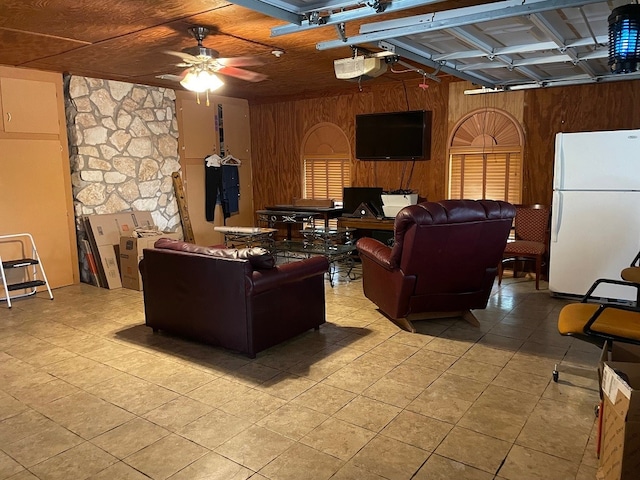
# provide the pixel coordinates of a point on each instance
(264, 280)
(376, 251)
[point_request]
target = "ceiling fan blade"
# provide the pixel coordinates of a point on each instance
(242, 74)
(239, 61)
(184, 56)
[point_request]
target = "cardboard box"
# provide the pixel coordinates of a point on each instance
(624, 352)
(620, 449)
(109, 263)
(131, 253)
(107, 229)
(103, 232)
(620, 352)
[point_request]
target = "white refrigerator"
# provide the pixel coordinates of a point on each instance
(595, 213)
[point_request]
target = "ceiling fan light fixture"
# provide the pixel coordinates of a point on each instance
(200, 81)
(624, 39)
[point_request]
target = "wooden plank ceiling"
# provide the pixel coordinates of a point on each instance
(127, 40)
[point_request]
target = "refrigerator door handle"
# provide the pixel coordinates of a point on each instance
(556, 217)
(558, 164)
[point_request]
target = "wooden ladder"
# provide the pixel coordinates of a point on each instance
(181, 198)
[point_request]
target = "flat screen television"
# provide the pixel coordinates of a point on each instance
(394, 136)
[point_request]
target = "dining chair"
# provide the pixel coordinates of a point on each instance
(531, 227)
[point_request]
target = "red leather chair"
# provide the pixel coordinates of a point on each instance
(443, 262)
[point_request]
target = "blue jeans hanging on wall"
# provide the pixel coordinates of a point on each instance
(231, 188)
(222, 186)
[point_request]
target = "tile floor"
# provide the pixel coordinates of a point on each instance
(88, 392)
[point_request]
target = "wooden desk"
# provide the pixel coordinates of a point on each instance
(366, 223)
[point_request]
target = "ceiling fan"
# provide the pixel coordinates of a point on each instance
(202, 64)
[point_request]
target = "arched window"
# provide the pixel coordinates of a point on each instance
(485, 157)
(326, 157)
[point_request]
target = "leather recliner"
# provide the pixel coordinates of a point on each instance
(443, 262)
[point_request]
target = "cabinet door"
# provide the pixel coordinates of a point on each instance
(198, 129)
(237, 136)
(33, 200)
(237, 139)
(29, 106)
(200, 135)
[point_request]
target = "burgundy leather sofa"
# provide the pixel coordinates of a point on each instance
(443, 262)
(236, 299)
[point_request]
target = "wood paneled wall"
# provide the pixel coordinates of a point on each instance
(604, 106)
(461, 104)
(277, 130)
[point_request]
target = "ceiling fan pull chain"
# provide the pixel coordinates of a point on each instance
(197, 98)
(207, 97)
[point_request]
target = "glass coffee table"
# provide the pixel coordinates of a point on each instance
(336, 244)
(247, 237)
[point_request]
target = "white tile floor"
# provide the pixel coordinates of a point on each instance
(87, 391)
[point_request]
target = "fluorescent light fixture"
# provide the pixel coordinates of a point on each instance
(524, 86)
(478, 91)
(506, 88)
(200, 81)
(624, 39)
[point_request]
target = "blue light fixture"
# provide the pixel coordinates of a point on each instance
(624, 39)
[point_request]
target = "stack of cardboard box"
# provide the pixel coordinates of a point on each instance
(114, 252)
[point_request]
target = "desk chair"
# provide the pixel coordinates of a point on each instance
(600, 323)
(632, 274)
(531, 226)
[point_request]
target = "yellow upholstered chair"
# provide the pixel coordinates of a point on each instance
(632, 274)
(597, 323)
(601, 323)
(531, 226)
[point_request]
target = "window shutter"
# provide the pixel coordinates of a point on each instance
(472, 176)
(455, 176)
(495, 176)
(485, 157)
(326, 177)
(514, 178)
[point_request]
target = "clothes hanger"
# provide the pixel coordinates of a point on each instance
(230, 160)
(213, 160)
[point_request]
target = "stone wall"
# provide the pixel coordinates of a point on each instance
(123, 144)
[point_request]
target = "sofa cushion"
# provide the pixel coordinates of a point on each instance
(259, 258)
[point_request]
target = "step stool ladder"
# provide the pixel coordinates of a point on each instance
(34, 271)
